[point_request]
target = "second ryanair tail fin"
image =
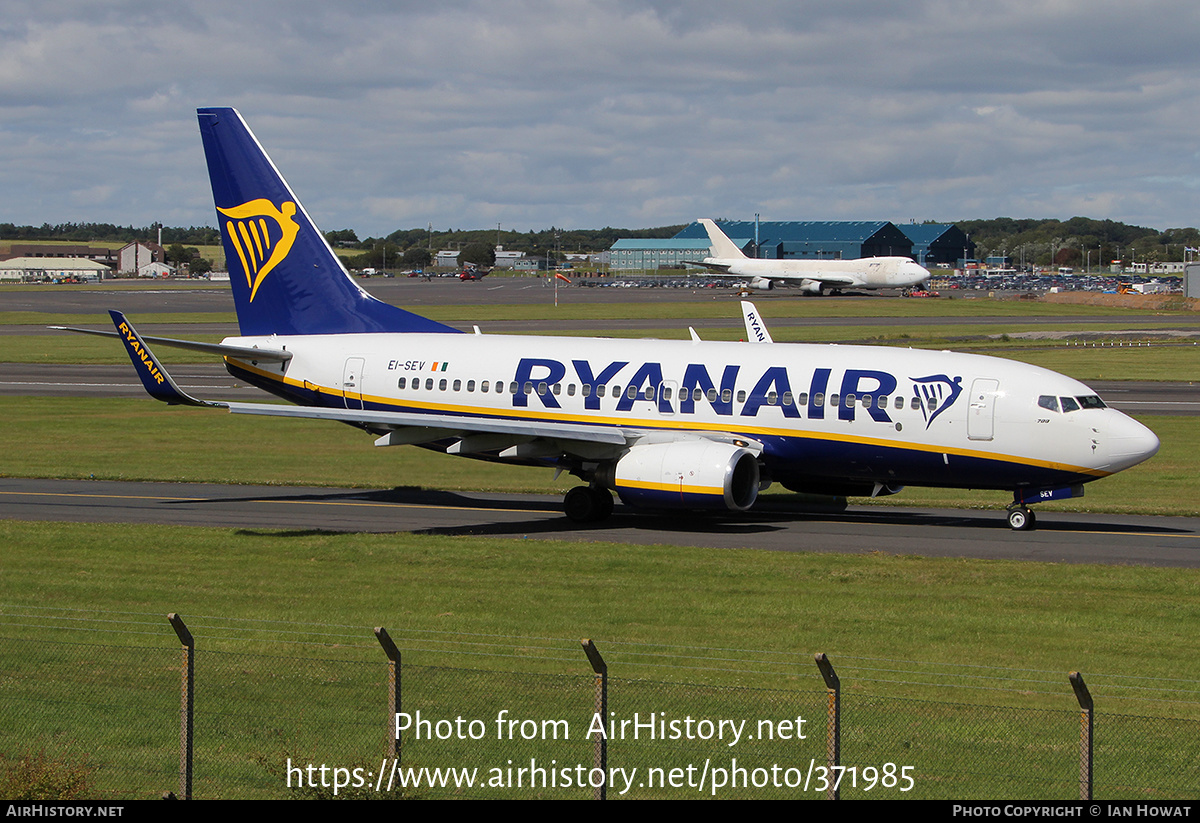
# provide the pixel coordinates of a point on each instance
(285, 277)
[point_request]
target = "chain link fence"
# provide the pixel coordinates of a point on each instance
(315, 721)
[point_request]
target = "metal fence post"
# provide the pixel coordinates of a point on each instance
(600, 746)
(393, 655)
(1086, 728)
(186, 704)
(833, 725)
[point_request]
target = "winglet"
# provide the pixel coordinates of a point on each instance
(756, 329)
(154, 377)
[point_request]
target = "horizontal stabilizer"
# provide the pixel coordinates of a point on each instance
(240, 352)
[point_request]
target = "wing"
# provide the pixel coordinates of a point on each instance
(504, 438)
(720, 268)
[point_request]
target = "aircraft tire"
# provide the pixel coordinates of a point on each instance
(584, 505)
(604, 503)
(1021, 519)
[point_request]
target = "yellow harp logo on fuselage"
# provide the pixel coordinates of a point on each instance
(262, 236)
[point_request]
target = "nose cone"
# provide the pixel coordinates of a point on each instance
(914, 273)
(1128, 443)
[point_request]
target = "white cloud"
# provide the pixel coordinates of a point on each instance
(386, 115)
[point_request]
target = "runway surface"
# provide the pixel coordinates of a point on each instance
(1061, 537)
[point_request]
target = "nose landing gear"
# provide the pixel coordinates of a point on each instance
(1021, 518)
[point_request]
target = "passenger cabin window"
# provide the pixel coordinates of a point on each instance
(401, 382)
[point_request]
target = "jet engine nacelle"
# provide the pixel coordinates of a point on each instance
(811, 286)
(763, 283)
(690, 474)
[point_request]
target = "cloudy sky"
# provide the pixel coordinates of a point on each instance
(388, 114)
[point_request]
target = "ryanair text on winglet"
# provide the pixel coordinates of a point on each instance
(134, 343)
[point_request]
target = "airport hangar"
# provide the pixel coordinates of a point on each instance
(930, 244)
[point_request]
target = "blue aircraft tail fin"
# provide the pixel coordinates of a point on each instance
(285, 277)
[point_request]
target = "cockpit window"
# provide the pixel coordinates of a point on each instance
(1069, 404)
(1047, 401)
(1091, 401)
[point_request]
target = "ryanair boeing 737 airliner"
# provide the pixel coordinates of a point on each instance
(681, 424)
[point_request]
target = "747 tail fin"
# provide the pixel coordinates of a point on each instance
(285, 277)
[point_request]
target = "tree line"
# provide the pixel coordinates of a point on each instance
(1077, 241)
(1041, 241)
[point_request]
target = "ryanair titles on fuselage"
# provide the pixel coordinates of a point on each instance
(772, 387)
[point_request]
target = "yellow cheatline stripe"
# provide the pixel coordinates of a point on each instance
(733, 426)
(671, 487)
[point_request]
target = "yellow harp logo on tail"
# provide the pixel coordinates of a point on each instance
(262, 235)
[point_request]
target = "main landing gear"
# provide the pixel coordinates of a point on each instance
(1021, 518)
(588, 504)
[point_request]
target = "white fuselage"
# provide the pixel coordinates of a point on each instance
(864, 273)
(867, 413)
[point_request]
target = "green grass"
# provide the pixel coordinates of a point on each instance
(1012, 614)
(67, 348)
(37, 318)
